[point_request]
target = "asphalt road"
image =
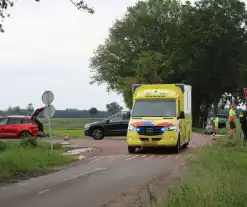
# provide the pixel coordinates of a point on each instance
(98, 180)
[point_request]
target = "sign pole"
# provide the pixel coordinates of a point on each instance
(47, 99)
(50, 132)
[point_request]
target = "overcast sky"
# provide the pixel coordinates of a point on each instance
(47, 46)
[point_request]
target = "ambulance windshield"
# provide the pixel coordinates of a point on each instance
(154, 108)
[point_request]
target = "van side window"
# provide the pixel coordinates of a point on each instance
(27, 121)
(116, 118)
(3, 121)
(15, 121)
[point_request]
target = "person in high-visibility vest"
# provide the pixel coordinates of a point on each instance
(216, 124)
(243, 121)
(232, 120)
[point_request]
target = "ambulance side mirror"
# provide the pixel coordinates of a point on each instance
(128, 115)
(181, 115)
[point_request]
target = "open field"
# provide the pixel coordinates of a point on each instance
(73, 126)
(216, 177)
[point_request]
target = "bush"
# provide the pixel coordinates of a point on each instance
(2, 146)
(30, 142)
(8, 145)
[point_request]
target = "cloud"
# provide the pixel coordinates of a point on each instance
(47, 45)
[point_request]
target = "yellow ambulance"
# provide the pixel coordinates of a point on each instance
(160, 117)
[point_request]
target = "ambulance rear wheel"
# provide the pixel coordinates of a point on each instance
(131, 150)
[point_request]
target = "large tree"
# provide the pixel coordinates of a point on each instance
(113, 108)
(163, 41)
(93, 111)
(213, 44)
(142, 31)
(5, 4)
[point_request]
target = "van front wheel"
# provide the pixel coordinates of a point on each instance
(98, 134)
(131, 150)
(177, 148)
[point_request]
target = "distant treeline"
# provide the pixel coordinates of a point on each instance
(67, 113)
(112, 108)
(75, 113)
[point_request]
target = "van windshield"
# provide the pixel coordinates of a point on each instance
(154, 108)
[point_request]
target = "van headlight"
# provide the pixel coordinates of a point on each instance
(131, 128)
(171, 128)
(87, 126)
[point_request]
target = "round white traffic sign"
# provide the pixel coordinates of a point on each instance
(47, 97)
(49, 111)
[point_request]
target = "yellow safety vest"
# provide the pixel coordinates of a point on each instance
(216, 120)
(232, 115)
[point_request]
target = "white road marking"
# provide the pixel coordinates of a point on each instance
(97, 159)
(3, 188)
(148, 157)
(178, 156)
(91, 158)
(132, 157)
(43, 191)
(86, 173)
(129, 157)
(116, 157)
(22, 183)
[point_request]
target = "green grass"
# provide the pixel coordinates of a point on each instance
(223, 131)
(216, 177)
(73, 126)
(198, 130)
(18, 158)
(72, 133)
(68, 123)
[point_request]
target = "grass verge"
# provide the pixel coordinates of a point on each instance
(216, 177)
(198, 130)
(18, 158)
(73, 133)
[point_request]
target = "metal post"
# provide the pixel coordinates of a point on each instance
(50, 132)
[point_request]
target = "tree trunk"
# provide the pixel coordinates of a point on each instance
(215, 107)
(196, 113)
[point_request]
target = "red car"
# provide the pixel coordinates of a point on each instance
(21, 126)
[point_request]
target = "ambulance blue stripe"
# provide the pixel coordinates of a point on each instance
(146, 123)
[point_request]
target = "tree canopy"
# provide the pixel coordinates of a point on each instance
(93, 111)
(5, 4)
(113, 108)
(165, 41)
